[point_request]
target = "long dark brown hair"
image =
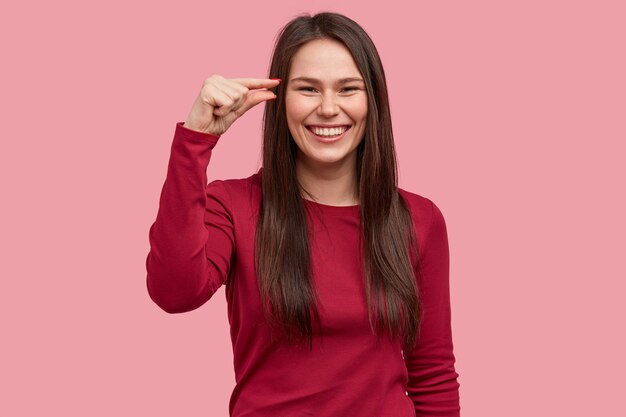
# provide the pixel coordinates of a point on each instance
(282, 256)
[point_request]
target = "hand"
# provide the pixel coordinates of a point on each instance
(221, 101)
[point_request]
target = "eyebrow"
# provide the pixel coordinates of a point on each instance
(316, 81)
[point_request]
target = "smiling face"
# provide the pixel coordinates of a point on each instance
(331, 94)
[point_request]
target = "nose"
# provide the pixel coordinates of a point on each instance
(328, 106)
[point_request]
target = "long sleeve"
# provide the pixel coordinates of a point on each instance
(192, 239)
(433, 384)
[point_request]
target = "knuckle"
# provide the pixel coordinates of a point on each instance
(206, 92)
(228, 101)
(212, 78)
(206, 86)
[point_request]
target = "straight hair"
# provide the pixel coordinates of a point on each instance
(282, 256)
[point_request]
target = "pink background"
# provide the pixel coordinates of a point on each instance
(509, 115)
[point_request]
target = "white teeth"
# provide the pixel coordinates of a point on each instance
(328, 132)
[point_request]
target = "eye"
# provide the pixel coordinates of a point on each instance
(311, 88)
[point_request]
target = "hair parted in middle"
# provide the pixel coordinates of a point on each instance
(282, 257)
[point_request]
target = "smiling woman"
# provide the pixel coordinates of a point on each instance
(319, 107)
(320, 245)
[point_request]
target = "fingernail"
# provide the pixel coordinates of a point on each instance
(276, 79)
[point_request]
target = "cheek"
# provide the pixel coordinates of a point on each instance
(293, 117)
(362, 108)
(358, 110)
(295, 108)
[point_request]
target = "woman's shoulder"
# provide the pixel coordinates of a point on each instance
(430, 225)
(420, 205)
(425, 212)
(240, 192)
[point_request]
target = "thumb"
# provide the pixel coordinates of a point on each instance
(255, 97)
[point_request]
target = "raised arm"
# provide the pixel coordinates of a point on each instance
(192, 239)
(433, 384)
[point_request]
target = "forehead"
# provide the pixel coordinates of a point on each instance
(324, 60)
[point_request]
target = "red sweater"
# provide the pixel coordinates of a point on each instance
(203, 238)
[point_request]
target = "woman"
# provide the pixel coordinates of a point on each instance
(320, 245)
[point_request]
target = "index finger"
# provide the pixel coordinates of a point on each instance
(257, 82)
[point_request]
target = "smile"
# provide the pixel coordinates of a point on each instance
(328, 135)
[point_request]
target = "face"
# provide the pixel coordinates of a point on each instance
(324, 99)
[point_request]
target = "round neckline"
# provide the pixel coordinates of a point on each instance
(326, 208)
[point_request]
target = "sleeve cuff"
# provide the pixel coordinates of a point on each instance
(194, 134)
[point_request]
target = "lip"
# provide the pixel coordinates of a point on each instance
(328, 140)
(329, 126)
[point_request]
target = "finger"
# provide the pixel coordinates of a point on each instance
(236, 86)
(254, 98)
(256, 82)
(221, 101)
(234, 91)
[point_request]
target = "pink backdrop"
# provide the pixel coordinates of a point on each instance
(509, 115)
